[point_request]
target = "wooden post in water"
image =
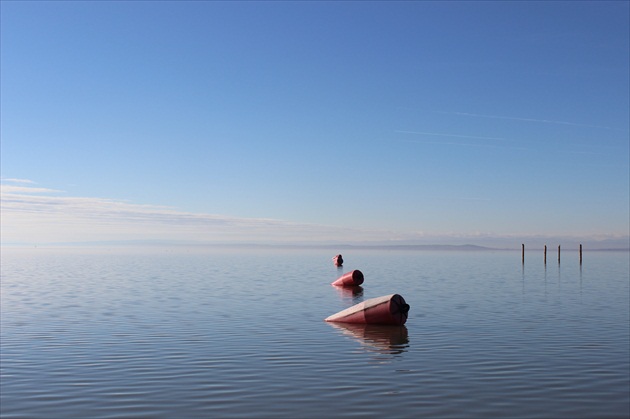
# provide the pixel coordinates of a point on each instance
(545, 254)
(523, 254)
(580, 254)
(558, 253)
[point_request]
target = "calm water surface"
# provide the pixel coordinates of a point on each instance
(228, 334)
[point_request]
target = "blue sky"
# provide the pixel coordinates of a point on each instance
(315, 122)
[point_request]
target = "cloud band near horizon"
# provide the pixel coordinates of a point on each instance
(34, 215)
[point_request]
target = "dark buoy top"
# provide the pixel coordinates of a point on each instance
(337, 260)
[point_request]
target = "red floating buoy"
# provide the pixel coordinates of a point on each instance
(389, 309)
(349, 279)
(337, 260)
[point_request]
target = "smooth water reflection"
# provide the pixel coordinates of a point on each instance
(350, 295)
(241, 334)
(382, 339)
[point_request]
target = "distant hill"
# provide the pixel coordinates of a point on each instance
(599, 246)
(467, 247)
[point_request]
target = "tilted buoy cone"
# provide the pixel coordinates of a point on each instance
(388, 309)
(349, 279)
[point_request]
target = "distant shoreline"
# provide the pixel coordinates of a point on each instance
(284, 246)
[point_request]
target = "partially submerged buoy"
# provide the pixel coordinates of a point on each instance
(337, 260)
(349, 279)
(388, 309)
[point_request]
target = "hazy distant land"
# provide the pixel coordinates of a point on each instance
(612, 246)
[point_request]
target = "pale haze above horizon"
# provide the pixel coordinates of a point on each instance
(485, 123)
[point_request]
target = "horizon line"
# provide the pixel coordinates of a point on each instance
(376, 246)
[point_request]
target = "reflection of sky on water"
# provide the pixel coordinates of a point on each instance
(376, 339)
(227, 333)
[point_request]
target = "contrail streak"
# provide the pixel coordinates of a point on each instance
(544, 121)
(451, 135)
(473, 137)
(465, 144)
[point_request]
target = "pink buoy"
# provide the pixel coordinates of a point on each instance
(389, 309)
(337, 260)
(349, 279)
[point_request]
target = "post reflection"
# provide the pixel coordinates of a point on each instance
(375, 338)
(350, 295)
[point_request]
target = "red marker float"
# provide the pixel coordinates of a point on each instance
(337, 260)
(389, 309)
(349, 279)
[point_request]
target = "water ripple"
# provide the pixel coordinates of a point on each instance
(236, 335)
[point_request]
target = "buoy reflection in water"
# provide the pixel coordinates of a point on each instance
(351, 295)
(383, 339)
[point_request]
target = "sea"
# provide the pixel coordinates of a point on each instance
(210, 332)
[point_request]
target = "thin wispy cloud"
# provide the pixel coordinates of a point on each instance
(514, 118)
(12, 180)
(26, 189)
(503, 141)
(28, 215)
(438, 134)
